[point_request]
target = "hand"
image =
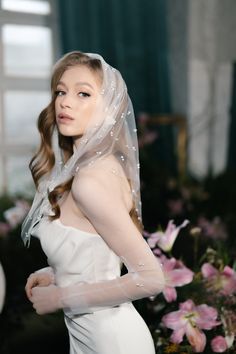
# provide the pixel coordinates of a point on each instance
(37, 279)
(46, 299)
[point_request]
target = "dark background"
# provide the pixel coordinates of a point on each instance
(133, 37)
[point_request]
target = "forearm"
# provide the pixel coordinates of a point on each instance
(87, 298)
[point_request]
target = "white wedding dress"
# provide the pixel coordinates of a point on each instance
(77, 256)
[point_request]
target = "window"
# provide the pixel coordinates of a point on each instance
(31, 6)
(28, 48)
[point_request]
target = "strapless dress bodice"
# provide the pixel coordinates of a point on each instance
(76, 256)
(82, 257)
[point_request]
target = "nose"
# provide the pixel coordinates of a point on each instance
(66, 101)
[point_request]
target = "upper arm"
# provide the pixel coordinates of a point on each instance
(99, 197)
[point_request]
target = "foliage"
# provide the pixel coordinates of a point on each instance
(206, 246)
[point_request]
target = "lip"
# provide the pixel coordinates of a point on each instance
(63, 118)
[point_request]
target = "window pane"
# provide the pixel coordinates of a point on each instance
(27, 50)
(31, 6)
(21, 110)
(18, 176)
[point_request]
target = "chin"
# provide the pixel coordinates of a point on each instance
(68, 132)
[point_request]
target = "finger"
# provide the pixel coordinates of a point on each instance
(28, 288)
(38, 310)
(28, 291)
(39, 280)
(32, 282)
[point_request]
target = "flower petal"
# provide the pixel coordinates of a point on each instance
(208, 270)
(179, 277)
(169, 264)
(188, 305)
(196, 338)
(174, 320)
(218, 344)
(153, 238)
(177, 335)
(207, 316)
(228, 271)
(167, 240)
(170, 294)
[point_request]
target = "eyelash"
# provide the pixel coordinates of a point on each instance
(85, 94)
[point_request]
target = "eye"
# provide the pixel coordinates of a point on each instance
(59, 93)
(84, 94)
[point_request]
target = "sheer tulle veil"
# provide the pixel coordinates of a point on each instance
(111, 130)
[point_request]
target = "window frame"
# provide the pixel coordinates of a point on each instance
(22, 83)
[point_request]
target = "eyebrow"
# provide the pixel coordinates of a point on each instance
(79, 83)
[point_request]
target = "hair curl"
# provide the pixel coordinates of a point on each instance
(43, 161)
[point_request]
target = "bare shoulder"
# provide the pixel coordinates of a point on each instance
(96, 181)
(106, 164)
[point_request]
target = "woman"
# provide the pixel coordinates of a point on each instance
(87, 211)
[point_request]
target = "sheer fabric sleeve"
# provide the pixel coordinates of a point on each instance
(100, 199)
(49, 271)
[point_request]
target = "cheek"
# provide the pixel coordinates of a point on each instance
(87, 106)
(56, 105)
(85, 111)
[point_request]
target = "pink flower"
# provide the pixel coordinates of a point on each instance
(190, 320)
(176, 274)
(218, 344)
(214, 229)
(224, 282)
(165, 240)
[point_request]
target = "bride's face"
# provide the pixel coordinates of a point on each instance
(76, 95)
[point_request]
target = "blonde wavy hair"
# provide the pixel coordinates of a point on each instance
(43, 161)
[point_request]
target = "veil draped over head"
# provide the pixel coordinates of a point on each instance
(111, 130)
